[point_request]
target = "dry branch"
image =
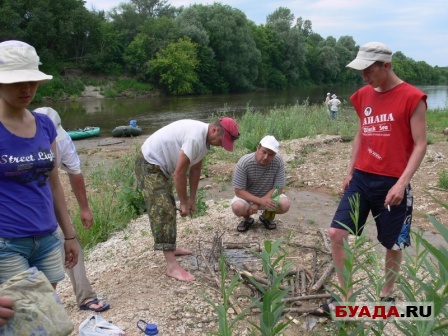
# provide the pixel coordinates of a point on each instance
(319, 283)
(306, 297)
(324, 238)
(308, 247)
(261, 280)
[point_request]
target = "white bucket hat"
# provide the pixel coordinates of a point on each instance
(56, 119)
(271, 143)
(19, 63)
(370, 53)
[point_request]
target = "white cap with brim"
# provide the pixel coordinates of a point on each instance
(271, 143)
(56, 119)
(370, 53)
(19, 63)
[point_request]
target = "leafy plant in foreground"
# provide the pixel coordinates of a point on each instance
(270, 304)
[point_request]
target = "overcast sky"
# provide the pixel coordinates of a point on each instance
(417, 28)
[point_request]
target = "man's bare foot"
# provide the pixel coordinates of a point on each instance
(182, 251)
(179, 273)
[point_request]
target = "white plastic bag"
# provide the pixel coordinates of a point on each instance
(95, 325)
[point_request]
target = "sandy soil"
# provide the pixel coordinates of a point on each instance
(131, 276)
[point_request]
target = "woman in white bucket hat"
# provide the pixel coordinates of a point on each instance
(31, 196)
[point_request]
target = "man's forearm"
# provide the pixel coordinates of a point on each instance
(79, 189)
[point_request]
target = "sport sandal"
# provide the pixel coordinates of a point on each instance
(326, 309)
(270, 225)
(243, 226)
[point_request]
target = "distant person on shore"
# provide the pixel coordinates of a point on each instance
(255, 177)
(32, 201)
(333, 105)
(68, 160)
(388, 148)
(175, 152)
(327, 107)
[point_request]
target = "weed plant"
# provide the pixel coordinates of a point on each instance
(424, 279)
(225, 325)
(443, 180)
(276, 268)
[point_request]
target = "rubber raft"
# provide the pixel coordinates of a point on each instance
(126, 131)
(83, 133)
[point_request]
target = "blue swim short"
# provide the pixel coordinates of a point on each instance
(393, 227)
(19, 254)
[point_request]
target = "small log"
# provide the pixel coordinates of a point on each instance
(229, 246)
(324, 238)
(303, 278)
(309, 247)
(313, 278)
(260, 279)
(319, 283)
(306, 297)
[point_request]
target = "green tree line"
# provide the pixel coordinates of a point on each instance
(193, 50)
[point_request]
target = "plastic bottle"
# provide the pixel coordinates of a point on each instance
(275, 196)
(150, 329)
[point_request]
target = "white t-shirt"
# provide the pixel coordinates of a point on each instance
(163, 147)
(334, 104)
(67, 157)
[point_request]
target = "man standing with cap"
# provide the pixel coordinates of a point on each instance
(175, 152)
(387, 150)
(255, 177)
(68, 160)
(333, 106)
(327, 99)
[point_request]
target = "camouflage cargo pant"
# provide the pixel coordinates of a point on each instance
(157, 191)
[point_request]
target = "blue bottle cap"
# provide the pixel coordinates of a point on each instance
(151, 329)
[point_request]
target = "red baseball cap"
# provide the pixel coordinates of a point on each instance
(230, 133)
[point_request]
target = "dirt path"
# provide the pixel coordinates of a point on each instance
(127, 272)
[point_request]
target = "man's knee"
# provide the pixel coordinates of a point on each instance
(337, 236)
(283, 205)
(240, 208)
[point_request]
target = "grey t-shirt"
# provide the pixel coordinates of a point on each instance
(258, 179)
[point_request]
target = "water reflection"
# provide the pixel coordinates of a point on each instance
(153, 113)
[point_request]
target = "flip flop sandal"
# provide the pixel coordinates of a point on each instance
(270, 225)
(326, 309)
(243, 226)
(388, 299)
(88, 306)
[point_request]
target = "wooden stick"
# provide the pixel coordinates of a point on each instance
(253, 247)
(306, 297)
(324, 238)
(260, 279)
(302, 275)
(287, 310)
(319, 283)
(293, 320)
(309, 247)
(313, 278)
(232, 302)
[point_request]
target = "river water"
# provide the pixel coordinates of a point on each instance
(153, 113)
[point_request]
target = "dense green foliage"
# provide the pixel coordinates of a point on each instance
(194, 50)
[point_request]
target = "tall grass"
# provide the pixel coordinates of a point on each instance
(114, 200)
(293, 122)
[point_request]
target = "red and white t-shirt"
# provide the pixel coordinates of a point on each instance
(386, 139)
